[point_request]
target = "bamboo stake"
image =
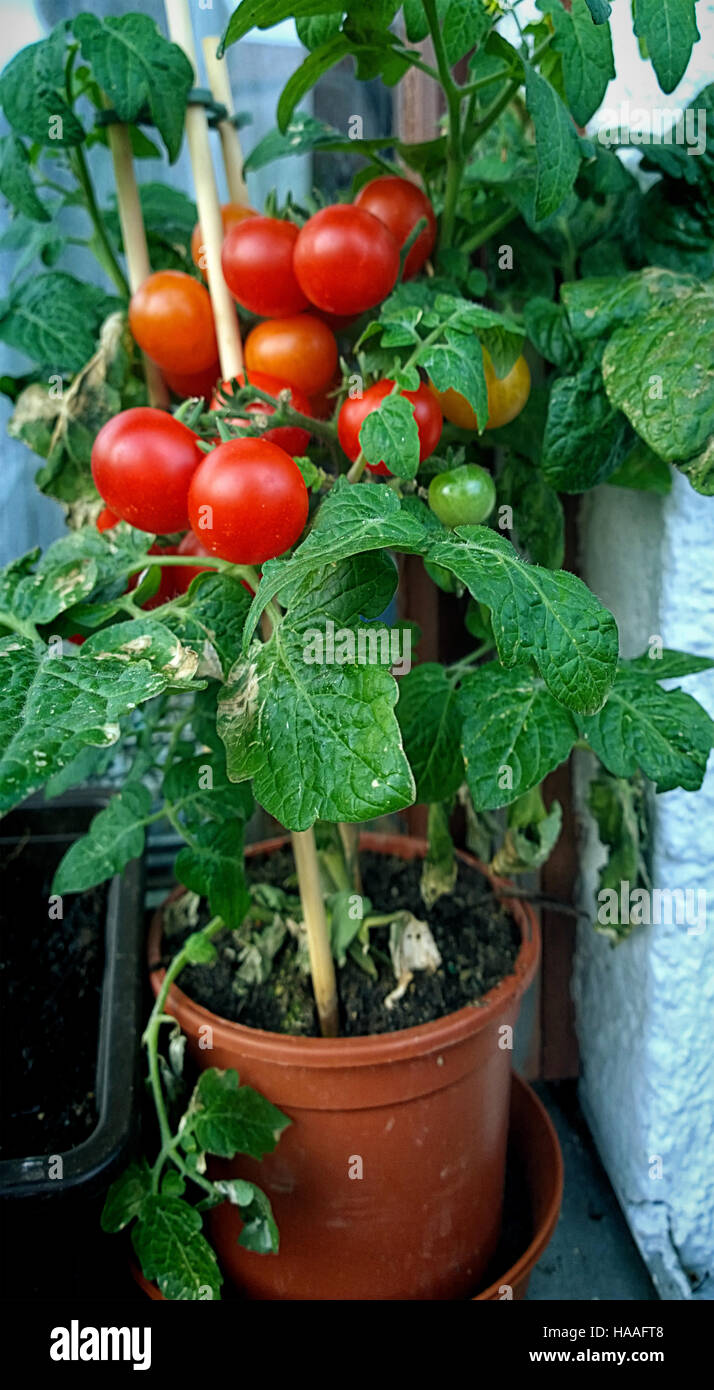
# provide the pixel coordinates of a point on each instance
(229, 345)
(134, 237)
(322, 966)
(217, 72)
(209, 209)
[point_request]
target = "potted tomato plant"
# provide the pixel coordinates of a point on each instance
(362, 987)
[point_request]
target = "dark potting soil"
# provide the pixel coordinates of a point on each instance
(477, 939)
(50, 986)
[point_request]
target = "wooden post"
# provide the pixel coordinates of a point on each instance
(209, 209)
(217, 72)
(133, 234)
(322, 966)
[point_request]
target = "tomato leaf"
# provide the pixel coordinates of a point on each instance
(306, 718)
(172, 1250)
(33, 95)
(16, 182)
(116, 836)
(586, 50)
(263, 14)
(538, 520)
(464, 26)
(55, 319)
(549, 617)
(430, 728)
(228, 1119)
(212, 866)
(311, 69)
(585, 439)
(137, 67)
(666, 733)
(669, 30)
(390, 435)
(557, 147)
(656, 369)
(126, 1197)
(514, 733)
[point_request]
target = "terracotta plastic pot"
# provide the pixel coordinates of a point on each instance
(389, 1182)
(533, 1142)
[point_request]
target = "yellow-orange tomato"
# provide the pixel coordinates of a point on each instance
(506, 397)
(231, 213)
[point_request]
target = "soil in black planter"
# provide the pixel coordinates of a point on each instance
(50, 985)
(477, 939)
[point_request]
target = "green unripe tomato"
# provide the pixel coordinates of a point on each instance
(463, 496)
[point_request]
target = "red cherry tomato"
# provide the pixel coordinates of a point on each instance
(184, 574)
(195, 383)
(231, 214)
(399, 204)
(300, 350)
(167, 583)
(142, 463)
(106, 520)
(354, 413)
(171, 318)
(247, 501)
(257, 261)
(346, 260)
(292, 438)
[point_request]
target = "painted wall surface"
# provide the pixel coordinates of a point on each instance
(645, 1008)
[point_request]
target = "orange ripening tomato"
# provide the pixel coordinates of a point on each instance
(195, 383)
(231, 215)
(506, 397)
(292, 438)
(399, 204)
(171, 318)
(300, 350)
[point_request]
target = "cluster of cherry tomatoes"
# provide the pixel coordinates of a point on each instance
(246, 500)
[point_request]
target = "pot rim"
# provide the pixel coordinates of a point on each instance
(374, 1048)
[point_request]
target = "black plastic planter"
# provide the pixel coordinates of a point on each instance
(51, 1233)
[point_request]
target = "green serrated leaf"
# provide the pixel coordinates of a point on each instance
(431, 729)
(52, 707)
(538, 520)
(514, 733)
(586, 50)
(311, 69)
(666, 664)
(55, 320)
(16, 182)
(657, 370)
(390, 435)
(227, 1118)
(116, 836)
(557, 148)
(669, 30)
(464, 25)
(212, 865)
(33, 94)
(666, 733)
(137, 67)
(263, 14)
(585, 439)
(173, 1252)
(126, 1196)
(309, 715)
(538, 615)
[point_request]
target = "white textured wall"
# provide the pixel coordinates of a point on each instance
(645, 1008)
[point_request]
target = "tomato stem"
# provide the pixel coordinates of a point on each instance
(107, 259)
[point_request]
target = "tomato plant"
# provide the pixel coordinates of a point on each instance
(142, 462)
(247, 501)
(541, 245)
(355, 411)
(399, 204)
(172, 320)
(258, 267)
(346, 260)
(300, 350)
